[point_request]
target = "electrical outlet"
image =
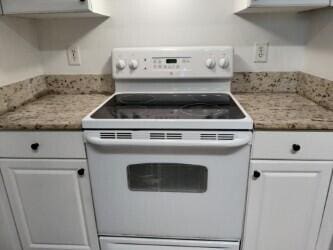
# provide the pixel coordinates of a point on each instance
(73, 55)
(261, 52)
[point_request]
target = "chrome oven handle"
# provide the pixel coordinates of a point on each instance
(236, 143)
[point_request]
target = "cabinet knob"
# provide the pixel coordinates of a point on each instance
(80, 172)
(34, 146)
(296, 147)
(256, 174)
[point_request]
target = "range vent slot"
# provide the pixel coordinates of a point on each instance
(174, 136)
(166, 136)
(214, 137)
(225, 137)
(208, 137)
(113, 135)
(124, 135)
(105, 135)
(157, 136)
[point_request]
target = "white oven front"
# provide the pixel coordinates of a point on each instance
(169, 184)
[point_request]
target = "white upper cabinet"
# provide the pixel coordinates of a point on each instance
(56, 8)
(252, 6)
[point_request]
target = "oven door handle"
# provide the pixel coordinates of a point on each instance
(236, 143)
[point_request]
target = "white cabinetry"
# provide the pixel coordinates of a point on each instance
(325, 241)
(55, 8)
(287, 190)
(285, 204)
(8, 235)
(278, 5)
(50, 198)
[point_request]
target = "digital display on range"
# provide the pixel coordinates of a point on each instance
(171, 60)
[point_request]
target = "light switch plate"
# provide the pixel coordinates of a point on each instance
(261, 52)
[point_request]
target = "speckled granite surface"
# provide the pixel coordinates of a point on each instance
(285, 111)
(270, 98)
(267, 82)
(80, 84)
(317, 89)
(16, 94)
(52, 112)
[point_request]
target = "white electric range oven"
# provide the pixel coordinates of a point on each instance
(169, 152)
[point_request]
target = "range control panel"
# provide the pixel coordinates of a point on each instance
(172, 63)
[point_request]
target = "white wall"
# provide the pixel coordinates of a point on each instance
(319, 47)
(19, 52)
(174, 23)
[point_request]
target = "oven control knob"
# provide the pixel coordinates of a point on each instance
(224, 62)
(121, 64)
(210, 63)
(133, 64)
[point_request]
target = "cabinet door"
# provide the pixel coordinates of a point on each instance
(286, 3)
(43, 6)
(51, 203)
(285, 204)
(325, 241)
(8, 235)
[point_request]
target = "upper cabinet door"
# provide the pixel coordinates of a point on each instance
(257, 6)
(44, 6)
(52, 204)
(286, 201)
(286, 3)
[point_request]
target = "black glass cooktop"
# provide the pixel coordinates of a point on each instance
(170, 106)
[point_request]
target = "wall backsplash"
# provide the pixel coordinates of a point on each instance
(19, 93)
(174, 23)
(80, 84)
(249, 82)
(319, 45)
(317, 89)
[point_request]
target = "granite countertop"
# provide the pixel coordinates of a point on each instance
(285, 111)
(270, 111)
(52, 112)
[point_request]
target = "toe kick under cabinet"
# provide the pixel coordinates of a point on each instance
(46, 179)
(289, 180)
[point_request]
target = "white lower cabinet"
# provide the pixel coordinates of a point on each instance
(51, 203)
(286, 200)
(325, 240)
(8, 235)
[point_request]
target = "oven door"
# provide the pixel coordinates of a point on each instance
(168, 188)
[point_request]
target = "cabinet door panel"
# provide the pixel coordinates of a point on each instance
(43, 6)
(51, 203)
(281, 3)
(325, 241)
(8, 235)
(285, 205)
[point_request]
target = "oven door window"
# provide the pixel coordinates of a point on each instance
(167, 177)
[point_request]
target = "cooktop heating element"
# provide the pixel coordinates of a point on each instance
(170, 106)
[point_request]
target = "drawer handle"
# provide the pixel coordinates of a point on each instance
(296, 147)
(81, 171)
(256, 174)
(34, 146)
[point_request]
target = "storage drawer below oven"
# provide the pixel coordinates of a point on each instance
(122, 243)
